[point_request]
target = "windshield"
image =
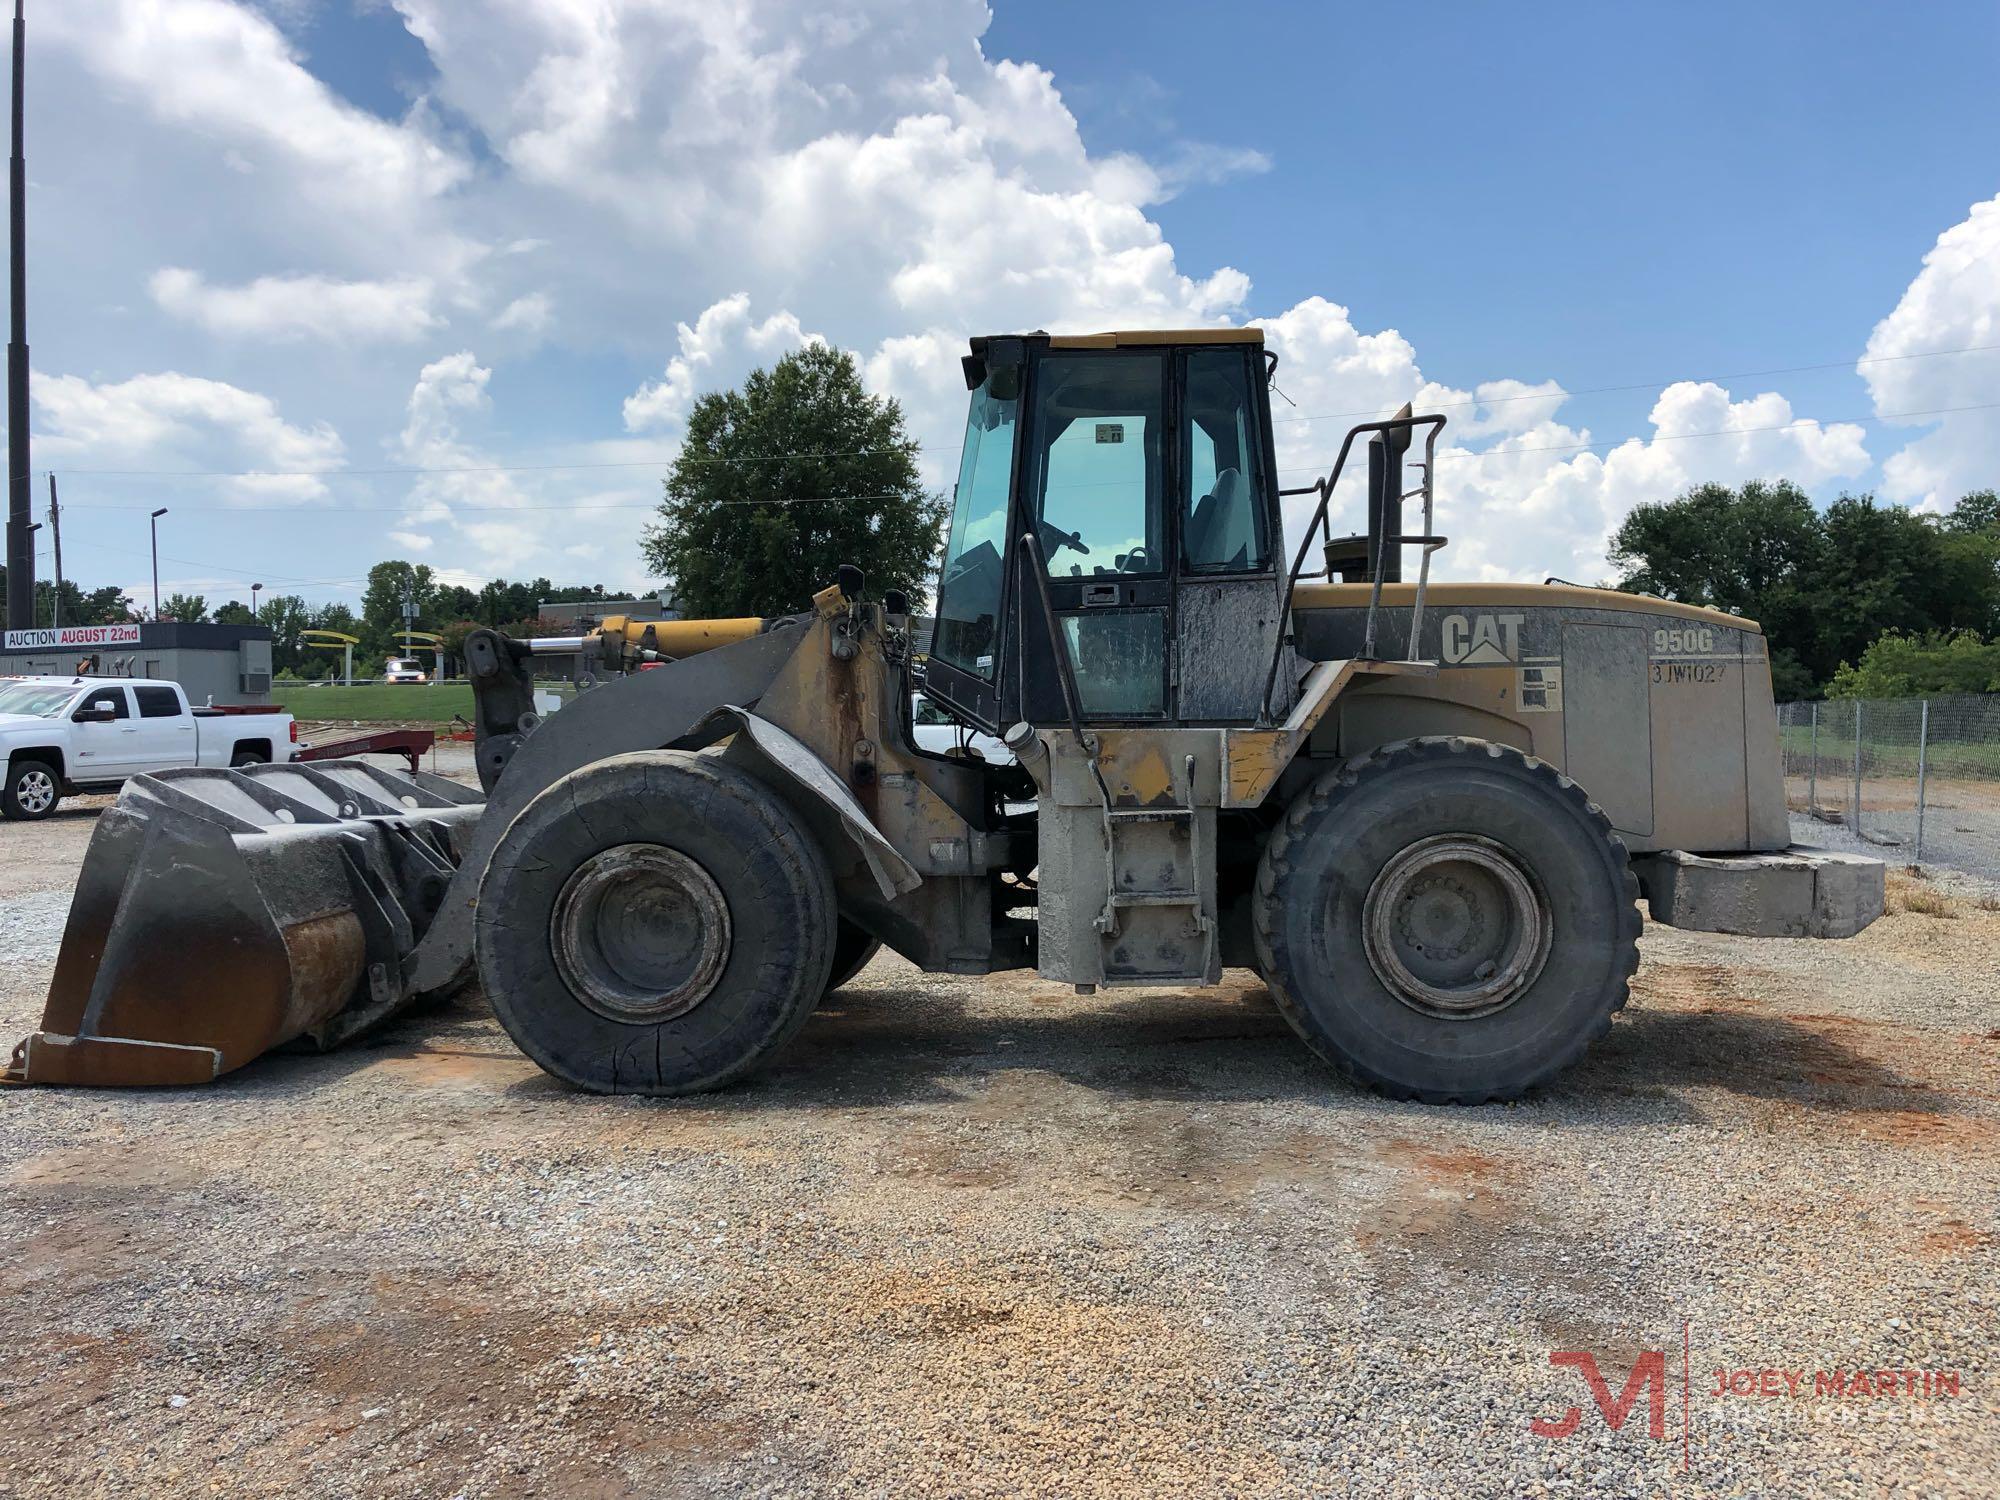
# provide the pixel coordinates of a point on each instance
(974, 569)
(36, 698)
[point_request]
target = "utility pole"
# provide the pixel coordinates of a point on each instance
(55, 531)
(20, 546)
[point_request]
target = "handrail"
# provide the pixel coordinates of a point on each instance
(1325, 487)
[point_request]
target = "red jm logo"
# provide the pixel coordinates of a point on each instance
(1650, 1371)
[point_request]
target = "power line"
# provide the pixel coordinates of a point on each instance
(493, 510)
(912, 449)
(1674, 437)
(1649, 385)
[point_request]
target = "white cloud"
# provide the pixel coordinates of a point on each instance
(699, 188)
(709, 351)
(227, 73)
(507, 523)
(177, 421)
(1519, 491)
(531, 314)
(296, 307)
(413, 541)
(1954, 303)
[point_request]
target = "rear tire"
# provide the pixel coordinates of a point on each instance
(247, 758)
(656, 923)
(1447, 919)
(852, 950)
(34, 790)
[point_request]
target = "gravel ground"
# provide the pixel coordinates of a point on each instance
(985, 1237)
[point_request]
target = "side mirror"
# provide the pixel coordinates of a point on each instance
(95, 715)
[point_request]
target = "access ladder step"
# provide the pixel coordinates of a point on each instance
(1155, 898)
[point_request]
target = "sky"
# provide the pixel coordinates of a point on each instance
(341, 280)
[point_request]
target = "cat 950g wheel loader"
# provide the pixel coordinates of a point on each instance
(1423, 812)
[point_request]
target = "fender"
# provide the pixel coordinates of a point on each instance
(802, 777)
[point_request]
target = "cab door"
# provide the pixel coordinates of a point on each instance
(166, 735)
(1097, 459)
(103, 751)
(1227, 606)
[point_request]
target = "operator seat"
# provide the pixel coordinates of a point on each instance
(1222, 532)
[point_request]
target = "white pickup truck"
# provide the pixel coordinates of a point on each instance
(61, 735)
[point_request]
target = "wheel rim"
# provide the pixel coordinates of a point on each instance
(640, 933)
(1456, 927)
(35, 792)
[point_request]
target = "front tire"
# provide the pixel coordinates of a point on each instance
(655, 923)
(1447, 919)
(34, 789)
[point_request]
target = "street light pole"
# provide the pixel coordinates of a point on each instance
(155, 523)
(20, 549)
(254, 589)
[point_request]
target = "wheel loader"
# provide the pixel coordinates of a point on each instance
(1424, 813)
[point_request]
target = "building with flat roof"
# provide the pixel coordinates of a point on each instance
(214, 664)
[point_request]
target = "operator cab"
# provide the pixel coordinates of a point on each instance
(1141, 465)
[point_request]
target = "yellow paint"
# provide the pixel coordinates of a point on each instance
(1254, 759)
(1143, 337)
(678, 638)
(1149, 779)
(1509, 595)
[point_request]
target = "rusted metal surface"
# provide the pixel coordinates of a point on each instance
(222, 913)
(411, 744)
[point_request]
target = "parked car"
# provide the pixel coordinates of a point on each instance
(936, 731)
(63, 735)
(405, 669)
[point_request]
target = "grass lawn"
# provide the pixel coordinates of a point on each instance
(376, 702)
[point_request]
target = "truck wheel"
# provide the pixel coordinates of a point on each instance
(33, 790)
(656, 923)
(1447, 919)
(247, 758)
(852, 948)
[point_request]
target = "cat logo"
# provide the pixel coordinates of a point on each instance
(1482, 641)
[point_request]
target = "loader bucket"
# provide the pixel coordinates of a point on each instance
(220, 914)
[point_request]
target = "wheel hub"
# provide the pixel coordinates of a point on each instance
(640, 933)
(35, 791)
(1454, 926)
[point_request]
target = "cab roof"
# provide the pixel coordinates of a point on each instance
(1133, 338)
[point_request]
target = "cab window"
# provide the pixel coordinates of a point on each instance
(157, 702)
(1097, 463)
(111, 698)
(974, 571)
(1224, 526)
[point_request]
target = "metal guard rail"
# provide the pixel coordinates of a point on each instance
(1324, 488)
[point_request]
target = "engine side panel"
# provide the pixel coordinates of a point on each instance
(1662, 712)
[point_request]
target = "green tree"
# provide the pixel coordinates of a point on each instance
(784, 479)
(1753, 552)
(235, 612)
(187, 609)
(1825, 586)
(287, 617)
(456, 602)
(1896, 665)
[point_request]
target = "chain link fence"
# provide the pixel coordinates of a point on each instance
(1916, 780)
